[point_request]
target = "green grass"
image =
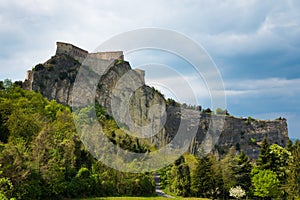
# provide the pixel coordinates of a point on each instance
(138, 198)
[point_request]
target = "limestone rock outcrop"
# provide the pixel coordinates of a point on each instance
(142, 109)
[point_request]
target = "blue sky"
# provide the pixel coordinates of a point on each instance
(254, 44)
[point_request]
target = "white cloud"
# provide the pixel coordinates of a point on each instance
(186, 87)
(225, 28)
(264, 87)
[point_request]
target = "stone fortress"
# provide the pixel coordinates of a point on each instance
(80, 55)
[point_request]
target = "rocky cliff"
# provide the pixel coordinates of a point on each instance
(143, 110)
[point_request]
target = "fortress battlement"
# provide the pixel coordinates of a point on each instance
(109, 55)
(80, 54)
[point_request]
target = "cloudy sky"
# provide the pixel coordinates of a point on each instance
(254, 44)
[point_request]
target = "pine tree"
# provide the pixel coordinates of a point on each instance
(181, 179)
(228, 164)
(264, 160)
(242, 171)
(289, 145)
(207, 181)
(202, 180)
(293, 172)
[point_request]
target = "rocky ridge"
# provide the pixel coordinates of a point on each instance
(142, 109)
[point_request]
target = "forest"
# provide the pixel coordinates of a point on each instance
(42, 157)
(274, 175)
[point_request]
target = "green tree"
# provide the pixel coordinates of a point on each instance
(6, 108)
(181, 181)
(207, 181)
(208, 111)
(289, 145)
(23, 124)
(293, 172)
(172, 102)
(280, 157)
(6, 187)
(264, 160)
(242, 171)
(52, 108)
(275, 158)
(236, 169)
(2, 85)
(228, 163)
(15, 159)
(8, 85)
(266, 183)
(220, 111)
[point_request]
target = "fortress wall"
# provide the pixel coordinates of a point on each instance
(80, 54)
(71, 50)
(112, 55)
(63, 48)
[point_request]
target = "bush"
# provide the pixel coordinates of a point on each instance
(237, 192)
(53, 61)
(39, 67)
(252, 141)
(208, 111)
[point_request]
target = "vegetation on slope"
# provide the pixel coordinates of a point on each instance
(42, 157)
(274, 175)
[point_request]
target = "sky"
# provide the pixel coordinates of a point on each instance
(254, 44)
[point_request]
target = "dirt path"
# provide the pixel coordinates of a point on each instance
(157, 189)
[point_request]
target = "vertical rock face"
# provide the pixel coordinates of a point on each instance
(247, 134)
(219, 133)
(140, 108)
(54, 79)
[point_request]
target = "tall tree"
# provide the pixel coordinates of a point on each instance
(293, 172)
(242, 171)
(207, 181)
(264, 160)
(181, 181)
(228, 163)
(236, 170)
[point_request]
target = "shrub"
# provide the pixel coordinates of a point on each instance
(237, 192)
(252, 141)
(53, 61)
(208, 111)
(119, 61)
(39, 67)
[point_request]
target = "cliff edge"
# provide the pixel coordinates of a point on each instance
(55, 79)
